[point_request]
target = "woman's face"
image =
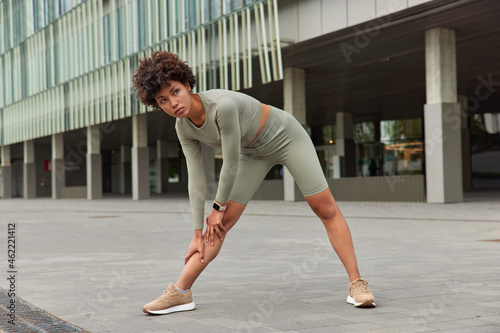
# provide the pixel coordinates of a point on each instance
(175, 99)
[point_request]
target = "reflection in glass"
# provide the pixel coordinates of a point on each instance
(485, 150)
(397, 151)
(403, 146)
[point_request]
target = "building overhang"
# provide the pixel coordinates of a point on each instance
(376, 69)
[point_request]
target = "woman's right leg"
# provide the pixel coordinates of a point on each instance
(173, 300)
(194, 266)
(249, 177)
(251, 173)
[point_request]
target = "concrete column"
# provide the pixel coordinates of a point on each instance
(29, 172)
(466, 158)
(161, 166)
(57, 166)
(442, 119)
(6, 173)
(294, 93)
(125, 158)
(344, 144)
(140, 157)
(294, 98)
(94, 163)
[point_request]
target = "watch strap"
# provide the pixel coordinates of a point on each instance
(218, 207)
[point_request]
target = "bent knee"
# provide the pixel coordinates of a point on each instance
(325, 212)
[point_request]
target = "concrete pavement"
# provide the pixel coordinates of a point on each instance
(95, 263)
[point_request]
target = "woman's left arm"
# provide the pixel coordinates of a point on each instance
(227, 118)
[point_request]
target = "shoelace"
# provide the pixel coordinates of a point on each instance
(165, 294)
(360, 286)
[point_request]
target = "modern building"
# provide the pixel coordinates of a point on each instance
(400, 97)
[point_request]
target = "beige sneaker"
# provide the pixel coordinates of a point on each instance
(172, 300)
(359, 294)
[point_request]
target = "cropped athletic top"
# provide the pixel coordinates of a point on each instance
(232, 121)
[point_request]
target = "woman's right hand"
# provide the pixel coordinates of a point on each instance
(197, 245)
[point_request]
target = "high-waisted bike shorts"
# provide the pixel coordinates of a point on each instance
(284, 141)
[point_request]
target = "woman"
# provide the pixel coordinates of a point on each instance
(253, 138)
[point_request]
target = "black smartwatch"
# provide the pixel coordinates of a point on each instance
(218, 207)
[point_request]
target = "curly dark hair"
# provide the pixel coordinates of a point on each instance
(156, 72)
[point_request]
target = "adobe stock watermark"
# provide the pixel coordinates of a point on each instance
(291, 280)
(421, 318)
(485, 88)
(363, 37)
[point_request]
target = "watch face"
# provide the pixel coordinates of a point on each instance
(216, 206)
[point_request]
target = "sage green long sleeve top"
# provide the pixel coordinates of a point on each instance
(232, 121)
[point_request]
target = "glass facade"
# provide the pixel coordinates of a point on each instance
(385, 148)
(68, 64)
(389, 148)
(485, 150)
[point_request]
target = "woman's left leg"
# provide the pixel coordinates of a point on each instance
(300, 158)
(324, 206)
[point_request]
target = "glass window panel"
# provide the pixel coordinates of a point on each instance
(174, 170)
(485, 150)
(48, 62)
(364, 132)
(56, 53)
(2, 83)
(71, 55)
(167, 19)
(56, 8)
(121, 37)
(403, 158)
(190, 14)
(368, 159)
(19, 19)
(68, 5)
(60, 8)
(151, 23)
(141, 23)
(7, 24)
(12, 77)
(402, 147)
(107, 55)
(214, 9)
(206, 10)
(400, 129)
(399, 151)
(134, 28)
(227, 4)
(24, 71)
(329, 133)
(47, 12)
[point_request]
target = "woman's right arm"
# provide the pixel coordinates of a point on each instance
(197, 192)
(197, 183)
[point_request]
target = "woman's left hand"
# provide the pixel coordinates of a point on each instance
(214, 226)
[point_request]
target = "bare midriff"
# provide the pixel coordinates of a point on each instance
(265, 110)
